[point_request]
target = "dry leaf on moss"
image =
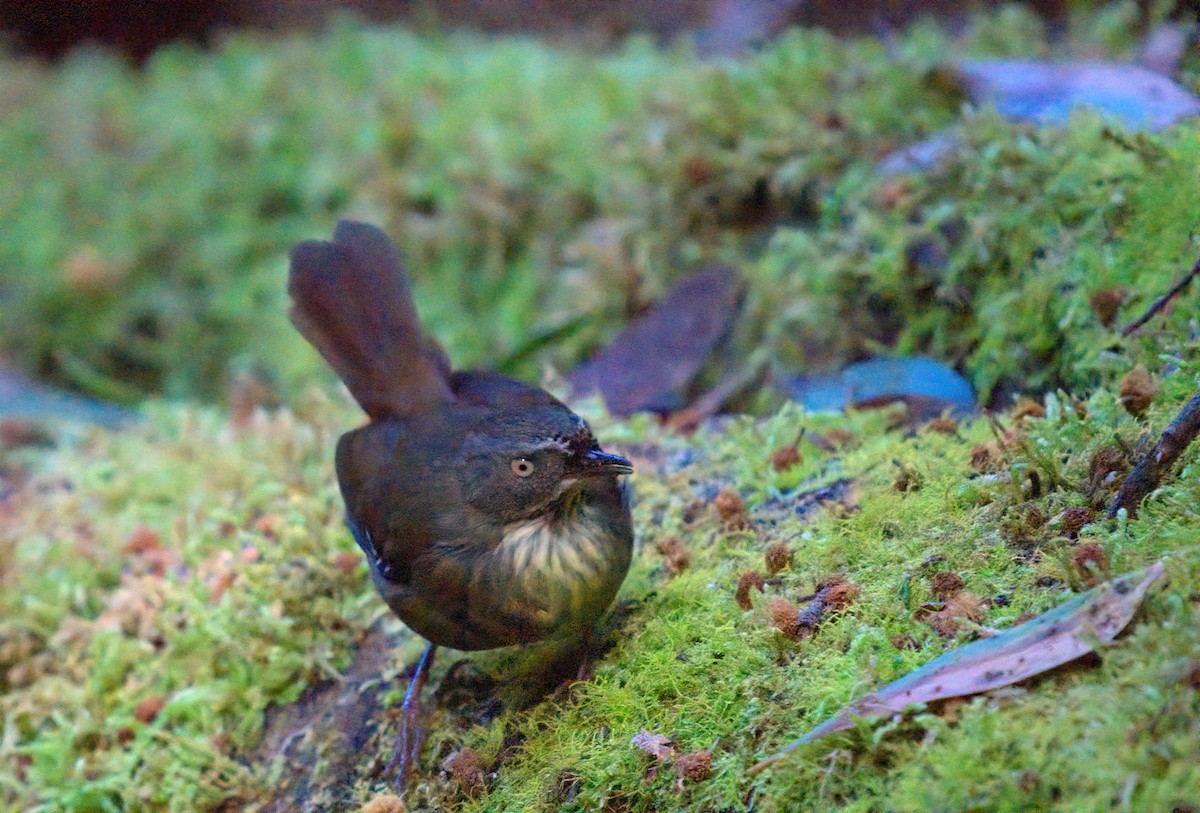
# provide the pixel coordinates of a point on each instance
(658, 746)
(1053, 638)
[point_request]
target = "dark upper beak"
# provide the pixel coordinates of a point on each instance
(597, 463)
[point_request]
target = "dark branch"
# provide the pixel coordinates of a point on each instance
(1151, 469)
(1160, 303)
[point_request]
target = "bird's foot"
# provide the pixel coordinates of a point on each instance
(406, 756)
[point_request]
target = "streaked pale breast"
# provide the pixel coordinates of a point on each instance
(556, 570)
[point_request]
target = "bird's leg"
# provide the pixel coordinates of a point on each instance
(407, 753)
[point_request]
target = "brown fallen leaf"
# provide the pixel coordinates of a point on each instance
(653, 363)
(1067, 632)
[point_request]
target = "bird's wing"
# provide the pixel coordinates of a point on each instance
(498, 391)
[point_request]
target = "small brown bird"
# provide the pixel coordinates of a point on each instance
(486, 509)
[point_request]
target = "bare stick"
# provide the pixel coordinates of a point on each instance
(1162, 301)
(1151, 469)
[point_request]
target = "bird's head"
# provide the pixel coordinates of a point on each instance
(518, 463)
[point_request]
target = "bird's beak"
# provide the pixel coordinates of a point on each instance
(597, 464)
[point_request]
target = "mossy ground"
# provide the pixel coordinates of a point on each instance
(164, 587)
(252, 600)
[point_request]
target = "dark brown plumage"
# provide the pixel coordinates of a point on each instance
(488, 513)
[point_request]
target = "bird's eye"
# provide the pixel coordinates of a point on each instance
(522, 467)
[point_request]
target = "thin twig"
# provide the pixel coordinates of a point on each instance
(1162, 301)
(1151, 469)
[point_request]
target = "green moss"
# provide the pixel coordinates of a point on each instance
(89, 631)
(154, 208)
(541, 185)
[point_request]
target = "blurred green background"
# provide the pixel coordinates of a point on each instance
(543, 195)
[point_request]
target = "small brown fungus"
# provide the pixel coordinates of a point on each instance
(785, 617)
(840, 438)
(1090, 562)
(785, 457)
(943, 424)
(465, 767)
(1028, 408)
(956, 605)
(731, 508)
(1106, 463)
(1138, 389)
(1072, 520)
(677, 555)
(841, 594)
(86, 271)
(385, 803)
(698, 170)
(946, 584)
(149, 708)
(1107, 302)
(907, 478)
(987, 458)
(346, 562)
(890, 194)
(748, 581)
(142, 540)
(695, 766)
(778, 557)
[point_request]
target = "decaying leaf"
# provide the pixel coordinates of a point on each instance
(652, 364)
(693, 766)
(1063, 634)
(656, 745)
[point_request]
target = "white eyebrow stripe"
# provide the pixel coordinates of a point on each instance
(551, 443)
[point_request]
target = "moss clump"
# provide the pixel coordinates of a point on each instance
(160, 589)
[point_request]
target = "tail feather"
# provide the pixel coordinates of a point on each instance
(350, 299)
